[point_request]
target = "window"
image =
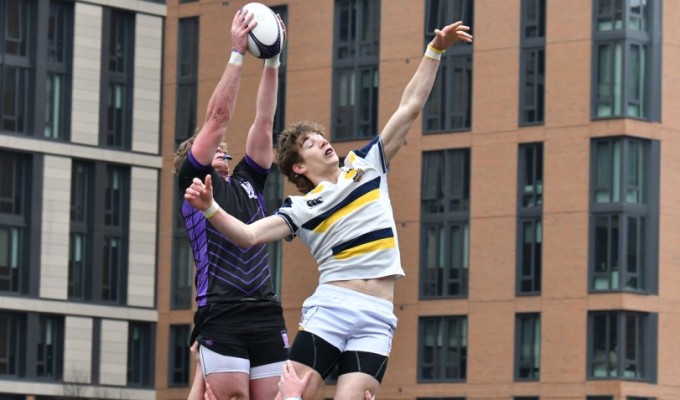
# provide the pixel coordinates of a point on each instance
(627, 59)
(15, 216)
(280, 116)
(529, 219)
(622, 345)
(443, 349)
(449, 107)
(355, 69)
(187, 78)
(445, 232)
(100, 197)
(624, 214)
(179, 355)
(35, 67)
(599, 397)
(32, 346)
(50, 347)
(532, 62)
(525, 398)
(527, 347)
(182, 260)
(140, 354)
(273, 198)
(117, 79)
(13, 332)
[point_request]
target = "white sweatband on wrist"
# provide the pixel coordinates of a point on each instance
(293, 398)
(433, 53)
(212, 210)
(236, 57)
(273, 62)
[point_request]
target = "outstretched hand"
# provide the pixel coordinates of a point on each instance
(200, 195)
(243, 23)
(450, 35)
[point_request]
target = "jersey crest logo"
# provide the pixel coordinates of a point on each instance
(357, 176)
(249, 189)
(314, 202)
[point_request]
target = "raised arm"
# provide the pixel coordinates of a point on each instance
(223, 100)
(419, 87)
(259, 144)
(264, 230)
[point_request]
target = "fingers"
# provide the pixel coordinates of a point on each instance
(306, 378)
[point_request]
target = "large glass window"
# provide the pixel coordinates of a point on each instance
(627, 59)
(50, 342)
(355, 69)
(273, 198)
(442, 343)
(13, 332)
(527, 347)
(445, 232)
(141, 352)
(100, 197)
(187, 78)
(118, 52)
(449, 107)
(182, 260)
(532, 63)
(15, 214)
(529, 219)
(36, 41)
(624, 214)
(622, 345)
(179, 355)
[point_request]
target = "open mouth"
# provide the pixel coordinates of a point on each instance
(329, 151)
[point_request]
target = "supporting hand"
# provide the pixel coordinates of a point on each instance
(200, 195)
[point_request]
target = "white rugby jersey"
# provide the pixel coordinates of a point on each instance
(349, 226)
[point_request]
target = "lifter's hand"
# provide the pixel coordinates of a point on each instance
(242, 24)
(450, 35)
(200, 195)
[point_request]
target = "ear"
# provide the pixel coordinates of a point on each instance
(299, 168)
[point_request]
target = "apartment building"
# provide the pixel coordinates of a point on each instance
(80, 162)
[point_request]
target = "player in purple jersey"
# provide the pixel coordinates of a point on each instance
(239, 322)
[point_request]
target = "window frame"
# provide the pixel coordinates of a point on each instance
(366, 126)
(648, 328)
(178, 341)
(186, 94)
(121, 136)
(530, 166)
(534, 319)
(532, 45)
(97, 231)
(617, 207)
(444, 321)
(454, 214)
(140, 361)
(181, 290)
(449, 102)
(625, 36)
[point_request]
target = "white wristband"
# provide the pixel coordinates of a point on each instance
(273, 62)
(236, 58)
(212, 210)
(293, 398)
(433, 53)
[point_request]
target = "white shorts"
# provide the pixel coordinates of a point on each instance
(216, 362)
(350, 320)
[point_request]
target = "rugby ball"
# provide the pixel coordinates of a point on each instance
(264, 41)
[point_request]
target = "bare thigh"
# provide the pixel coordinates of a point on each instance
(229, 385)
(352, 386)
(264, 388)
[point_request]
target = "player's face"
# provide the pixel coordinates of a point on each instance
(316, 151)
(220, 162)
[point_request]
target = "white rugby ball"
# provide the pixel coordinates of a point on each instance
(264, 41)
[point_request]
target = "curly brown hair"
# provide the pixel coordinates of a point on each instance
(182, 151)
(288, 152)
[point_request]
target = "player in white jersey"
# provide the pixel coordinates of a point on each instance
(346, 220)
